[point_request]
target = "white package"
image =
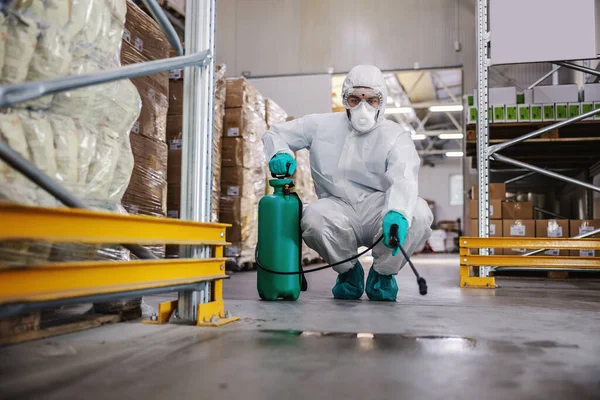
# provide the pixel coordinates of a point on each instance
(88, 138)
(21, 40)
(3, 34)
(66, 143)
(40, 140)
(124, 109)
(13, 185)
(123, 171)
(103, 165)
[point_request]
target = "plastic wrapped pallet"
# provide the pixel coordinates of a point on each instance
(274, 114)
(243, 174)
(79, 137)
(241, 190)
(147, 190)
(241, 93)
(306, 190)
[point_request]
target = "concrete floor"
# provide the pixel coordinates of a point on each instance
(525, 340)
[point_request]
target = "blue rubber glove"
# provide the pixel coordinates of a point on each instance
(391, 218)
(279, 164)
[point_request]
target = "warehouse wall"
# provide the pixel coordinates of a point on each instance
(279, 37)
(434, 184)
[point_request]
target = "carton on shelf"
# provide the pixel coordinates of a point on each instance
(144, 35)
(517, 210)
(147, 190)
(579, 227)
(154, 92)
(496, 230)
(497, 191)
(518, 228)
(496, 211)
(555, 94)
(552, 228)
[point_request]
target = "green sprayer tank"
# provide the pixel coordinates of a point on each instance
(279, 242)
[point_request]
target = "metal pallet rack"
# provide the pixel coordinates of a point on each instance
(476, 270)
(198, 278)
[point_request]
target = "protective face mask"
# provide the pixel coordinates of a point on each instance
(363, 117)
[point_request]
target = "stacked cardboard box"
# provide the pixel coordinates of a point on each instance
(243, 162)
(144, 41)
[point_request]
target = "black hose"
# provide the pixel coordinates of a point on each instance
(354, 257)
(16, 161)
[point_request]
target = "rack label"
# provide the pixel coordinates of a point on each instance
(586, 253)
(492, 229)
(173, 214)
(127, 36)
(175, 74)
(175, 144)
(233, 132)
(553, 252)
(136, 127)
(233, 191)
(555, 233)
(139, 44)
(517, 230)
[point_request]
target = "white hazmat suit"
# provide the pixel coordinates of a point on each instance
(359, 177)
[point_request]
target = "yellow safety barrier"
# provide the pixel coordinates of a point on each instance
(471, 261)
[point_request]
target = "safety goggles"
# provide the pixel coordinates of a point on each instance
(352, 97)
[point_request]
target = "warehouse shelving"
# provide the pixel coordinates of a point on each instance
(533, 158)
(198, 278)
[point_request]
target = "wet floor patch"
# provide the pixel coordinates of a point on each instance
(382, 341)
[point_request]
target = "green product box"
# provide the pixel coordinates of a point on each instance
(561, 112)
(524, 112)
(470, 100)
(596, 106)
(520, 98)
(472, 115)
(512, 113)
(537, 113)
(574, 109)
(586, 107)
(499, 114)
(549, 112)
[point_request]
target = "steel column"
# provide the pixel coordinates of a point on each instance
(197, 146)
(482, 125)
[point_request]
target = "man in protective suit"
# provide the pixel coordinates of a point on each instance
(365, 169)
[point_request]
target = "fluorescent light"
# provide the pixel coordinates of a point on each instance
(418, 136)
(399, 110)
(455, 154)
(457, 107)
(448, 136)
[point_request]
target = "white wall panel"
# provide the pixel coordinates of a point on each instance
(434, 184)
(298, 95)
(280, 37)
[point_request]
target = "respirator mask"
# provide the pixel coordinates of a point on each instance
(363, 105)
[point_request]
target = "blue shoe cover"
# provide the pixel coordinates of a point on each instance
(381, 287)
(351, 284)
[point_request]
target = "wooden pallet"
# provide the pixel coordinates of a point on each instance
(35, 326)
(552, 275)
